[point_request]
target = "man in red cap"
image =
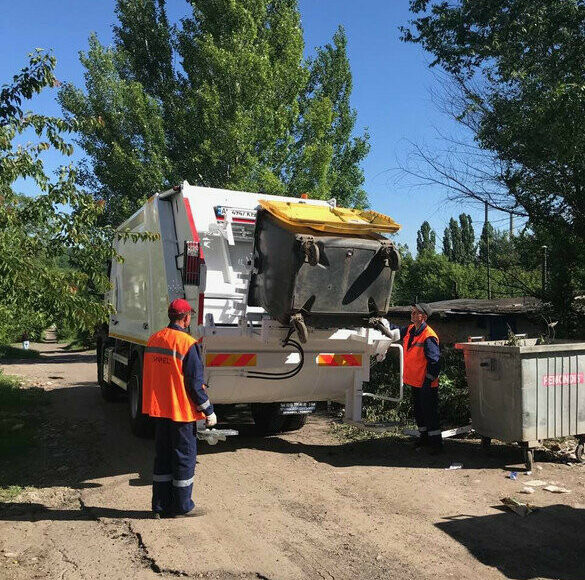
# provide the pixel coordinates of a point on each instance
(174, 394)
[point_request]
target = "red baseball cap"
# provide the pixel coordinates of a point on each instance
(180, 306)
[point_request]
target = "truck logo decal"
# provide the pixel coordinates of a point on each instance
(216, 359)
(563, 379)
(339, 360)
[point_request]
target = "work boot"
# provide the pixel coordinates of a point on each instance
(436, 446)
(421, 441)
(194, 513)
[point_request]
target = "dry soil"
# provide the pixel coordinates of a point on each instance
(293, 506)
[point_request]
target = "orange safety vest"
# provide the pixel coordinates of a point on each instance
(415, 361)
(163, 384)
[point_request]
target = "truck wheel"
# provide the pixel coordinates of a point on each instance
(109, 392)
(141, 425)
(294, 422)
(267, 418)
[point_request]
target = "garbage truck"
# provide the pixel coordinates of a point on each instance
(287, 294)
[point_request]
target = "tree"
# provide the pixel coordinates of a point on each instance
(453, 242)
(58, 226)
(243, 111)
(326, 159)
(468, 247)
(425, 239)
(447, 244)
(516, 70)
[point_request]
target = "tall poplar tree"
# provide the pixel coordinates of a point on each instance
(221, 99)
(425, 239)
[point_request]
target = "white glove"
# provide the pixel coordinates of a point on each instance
(211, 420)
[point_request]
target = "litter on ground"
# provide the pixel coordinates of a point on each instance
(556, 489)
(522, 509)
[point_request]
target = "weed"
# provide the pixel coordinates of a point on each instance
(453, 393)
(10, 492)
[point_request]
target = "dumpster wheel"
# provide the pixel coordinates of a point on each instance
(528, 455)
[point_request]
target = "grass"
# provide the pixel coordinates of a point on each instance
(10, 492)
(13, 352)
(346, 433)
(19, 425)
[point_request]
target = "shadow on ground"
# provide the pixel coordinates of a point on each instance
(82, 439)
(548, 543)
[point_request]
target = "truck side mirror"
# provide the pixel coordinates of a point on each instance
(191, 263)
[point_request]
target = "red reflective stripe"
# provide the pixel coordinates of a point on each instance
(200, 309)
(352, 360)
(194, 232)
(243, 360)
(218, 360)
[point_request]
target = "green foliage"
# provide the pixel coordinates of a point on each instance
(18, 424)
(242, 111)
(426, 239)
(517, 70)
(52, 250)
(12, 352)
(453, 393)
(459, 240)
(433, 277)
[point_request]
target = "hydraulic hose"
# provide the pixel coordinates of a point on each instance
(286, 375)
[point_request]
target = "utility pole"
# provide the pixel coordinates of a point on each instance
(511, 225)
(487, 253)
(544, 269)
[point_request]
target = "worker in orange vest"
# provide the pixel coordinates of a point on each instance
(421, 372)
(174, 394)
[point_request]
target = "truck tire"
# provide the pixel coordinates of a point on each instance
(109, 392)
(267, 418)
(294, 422)
(141, 425)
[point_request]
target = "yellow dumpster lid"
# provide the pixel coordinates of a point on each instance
(339, 220)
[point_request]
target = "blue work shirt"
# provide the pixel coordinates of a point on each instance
(193, 373)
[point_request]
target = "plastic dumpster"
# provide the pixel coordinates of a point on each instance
(526, 392)
(322, 266)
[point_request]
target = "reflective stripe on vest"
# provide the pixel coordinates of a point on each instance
(415, 361)
(163, 384)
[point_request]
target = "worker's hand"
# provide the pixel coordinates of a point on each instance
(211, 420)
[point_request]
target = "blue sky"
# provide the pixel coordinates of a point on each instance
(392, 87)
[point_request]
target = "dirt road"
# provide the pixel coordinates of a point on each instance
(294, 506)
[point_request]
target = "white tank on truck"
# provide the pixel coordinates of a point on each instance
(288, 294)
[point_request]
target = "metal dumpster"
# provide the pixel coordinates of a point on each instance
(322, 266)
(526, 392)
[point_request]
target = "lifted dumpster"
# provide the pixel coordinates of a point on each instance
(526, 392)
(322, 266)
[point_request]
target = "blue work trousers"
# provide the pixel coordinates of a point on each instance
(174, 467)
(426, 413)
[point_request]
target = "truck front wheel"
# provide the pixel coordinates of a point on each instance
(142, 425)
